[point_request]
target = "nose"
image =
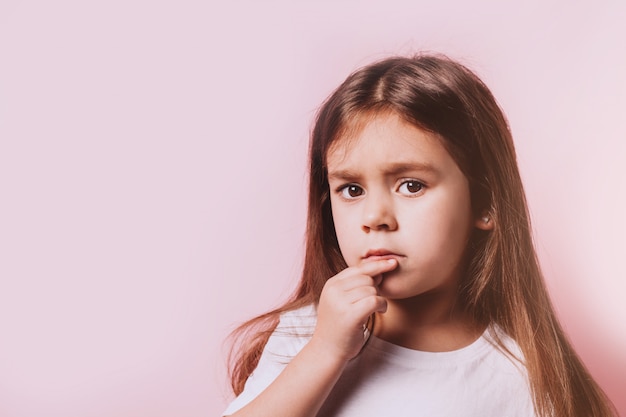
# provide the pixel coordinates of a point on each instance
(378, 214)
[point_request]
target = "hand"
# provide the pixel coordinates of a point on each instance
(346, 302)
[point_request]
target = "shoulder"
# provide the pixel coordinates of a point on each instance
(293, 331)
(506, 346)
(299, 321)
(507, 374)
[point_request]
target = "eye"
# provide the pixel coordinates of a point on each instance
(410, 187)
(351, 191)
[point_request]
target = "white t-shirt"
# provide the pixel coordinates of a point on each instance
(389, 380)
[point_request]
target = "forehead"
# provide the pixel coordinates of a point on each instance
(380, 139)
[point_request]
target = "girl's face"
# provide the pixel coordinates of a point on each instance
(397, 193)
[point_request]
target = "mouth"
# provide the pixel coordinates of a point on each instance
(380, 254)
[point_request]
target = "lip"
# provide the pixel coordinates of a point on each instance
(380, 254)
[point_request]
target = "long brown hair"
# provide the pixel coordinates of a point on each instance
(504, 285)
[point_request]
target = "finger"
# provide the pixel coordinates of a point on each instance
(354, 280)
(369, 305)
(357, 294)
(378, 279)
(377, 267)
(371, 269)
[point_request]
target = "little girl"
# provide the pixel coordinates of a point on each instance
(421, 293)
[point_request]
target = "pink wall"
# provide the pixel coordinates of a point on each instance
(152, 181)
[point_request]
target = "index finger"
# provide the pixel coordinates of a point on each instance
(377, 267)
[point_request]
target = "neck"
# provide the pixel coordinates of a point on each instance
(434, 322)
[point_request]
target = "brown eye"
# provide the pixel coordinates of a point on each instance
(351, 191)
(411, 187)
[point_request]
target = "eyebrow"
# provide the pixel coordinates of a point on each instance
(393, 169)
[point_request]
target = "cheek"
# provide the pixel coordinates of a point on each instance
(456, 228)
(446, 225)
(338, 220)
(346, 231)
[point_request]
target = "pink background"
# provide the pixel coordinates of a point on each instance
(152, 177)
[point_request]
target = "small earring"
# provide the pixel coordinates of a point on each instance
(486, 219)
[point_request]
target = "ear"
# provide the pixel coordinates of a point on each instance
(484, 221)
